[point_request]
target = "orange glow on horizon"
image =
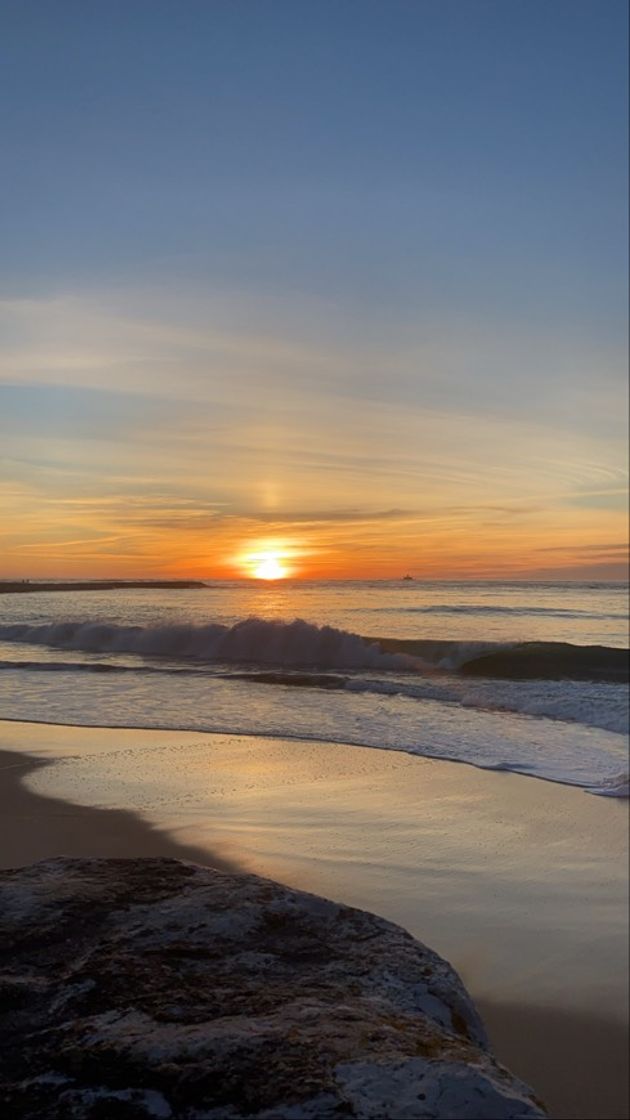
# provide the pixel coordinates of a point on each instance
(95, 538)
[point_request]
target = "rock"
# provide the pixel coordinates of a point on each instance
(152, 988)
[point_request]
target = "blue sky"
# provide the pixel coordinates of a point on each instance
(253, 228)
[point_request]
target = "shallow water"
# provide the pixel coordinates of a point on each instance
(522, 884)
(232, 658)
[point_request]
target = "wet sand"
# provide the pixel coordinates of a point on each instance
(578, 1062)
(520, 883)
(33, 827)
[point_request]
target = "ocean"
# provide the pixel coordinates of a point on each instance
(515, 676)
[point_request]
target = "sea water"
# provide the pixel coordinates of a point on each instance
(527, 677)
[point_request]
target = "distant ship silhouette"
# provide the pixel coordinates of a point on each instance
(407, 577)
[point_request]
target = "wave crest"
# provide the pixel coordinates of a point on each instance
(305, 645)
(252, 641)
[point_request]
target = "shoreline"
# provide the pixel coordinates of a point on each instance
(34, 827)
(303, 740)
(574, 1057)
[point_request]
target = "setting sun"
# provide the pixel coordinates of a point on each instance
(269, 568)
(266, 565)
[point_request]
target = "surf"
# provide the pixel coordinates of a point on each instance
(301, 644)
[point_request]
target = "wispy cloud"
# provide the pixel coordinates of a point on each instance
(146, 428)
(579, 549)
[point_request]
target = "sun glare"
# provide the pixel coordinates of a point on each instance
(266, 565)
(269, 568)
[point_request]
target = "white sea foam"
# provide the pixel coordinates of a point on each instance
(154, 660)
(491, 739)
(592, 703)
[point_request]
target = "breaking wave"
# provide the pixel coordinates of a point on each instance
(252, 641)
(478, 702)
(300, 644)
(518, 660)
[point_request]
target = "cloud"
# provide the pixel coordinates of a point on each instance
(175, 425)
(214, 344)
(621, 546)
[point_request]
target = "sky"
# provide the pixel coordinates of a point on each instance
(339, 282)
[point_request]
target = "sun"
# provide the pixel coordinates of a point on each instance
(269, 559)
(269, 567)
(266, 565)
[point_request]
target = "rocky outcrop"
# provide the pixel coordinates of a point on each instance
(152, 988)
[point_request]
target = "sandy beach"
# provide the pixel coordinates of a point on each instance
(520, 883)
